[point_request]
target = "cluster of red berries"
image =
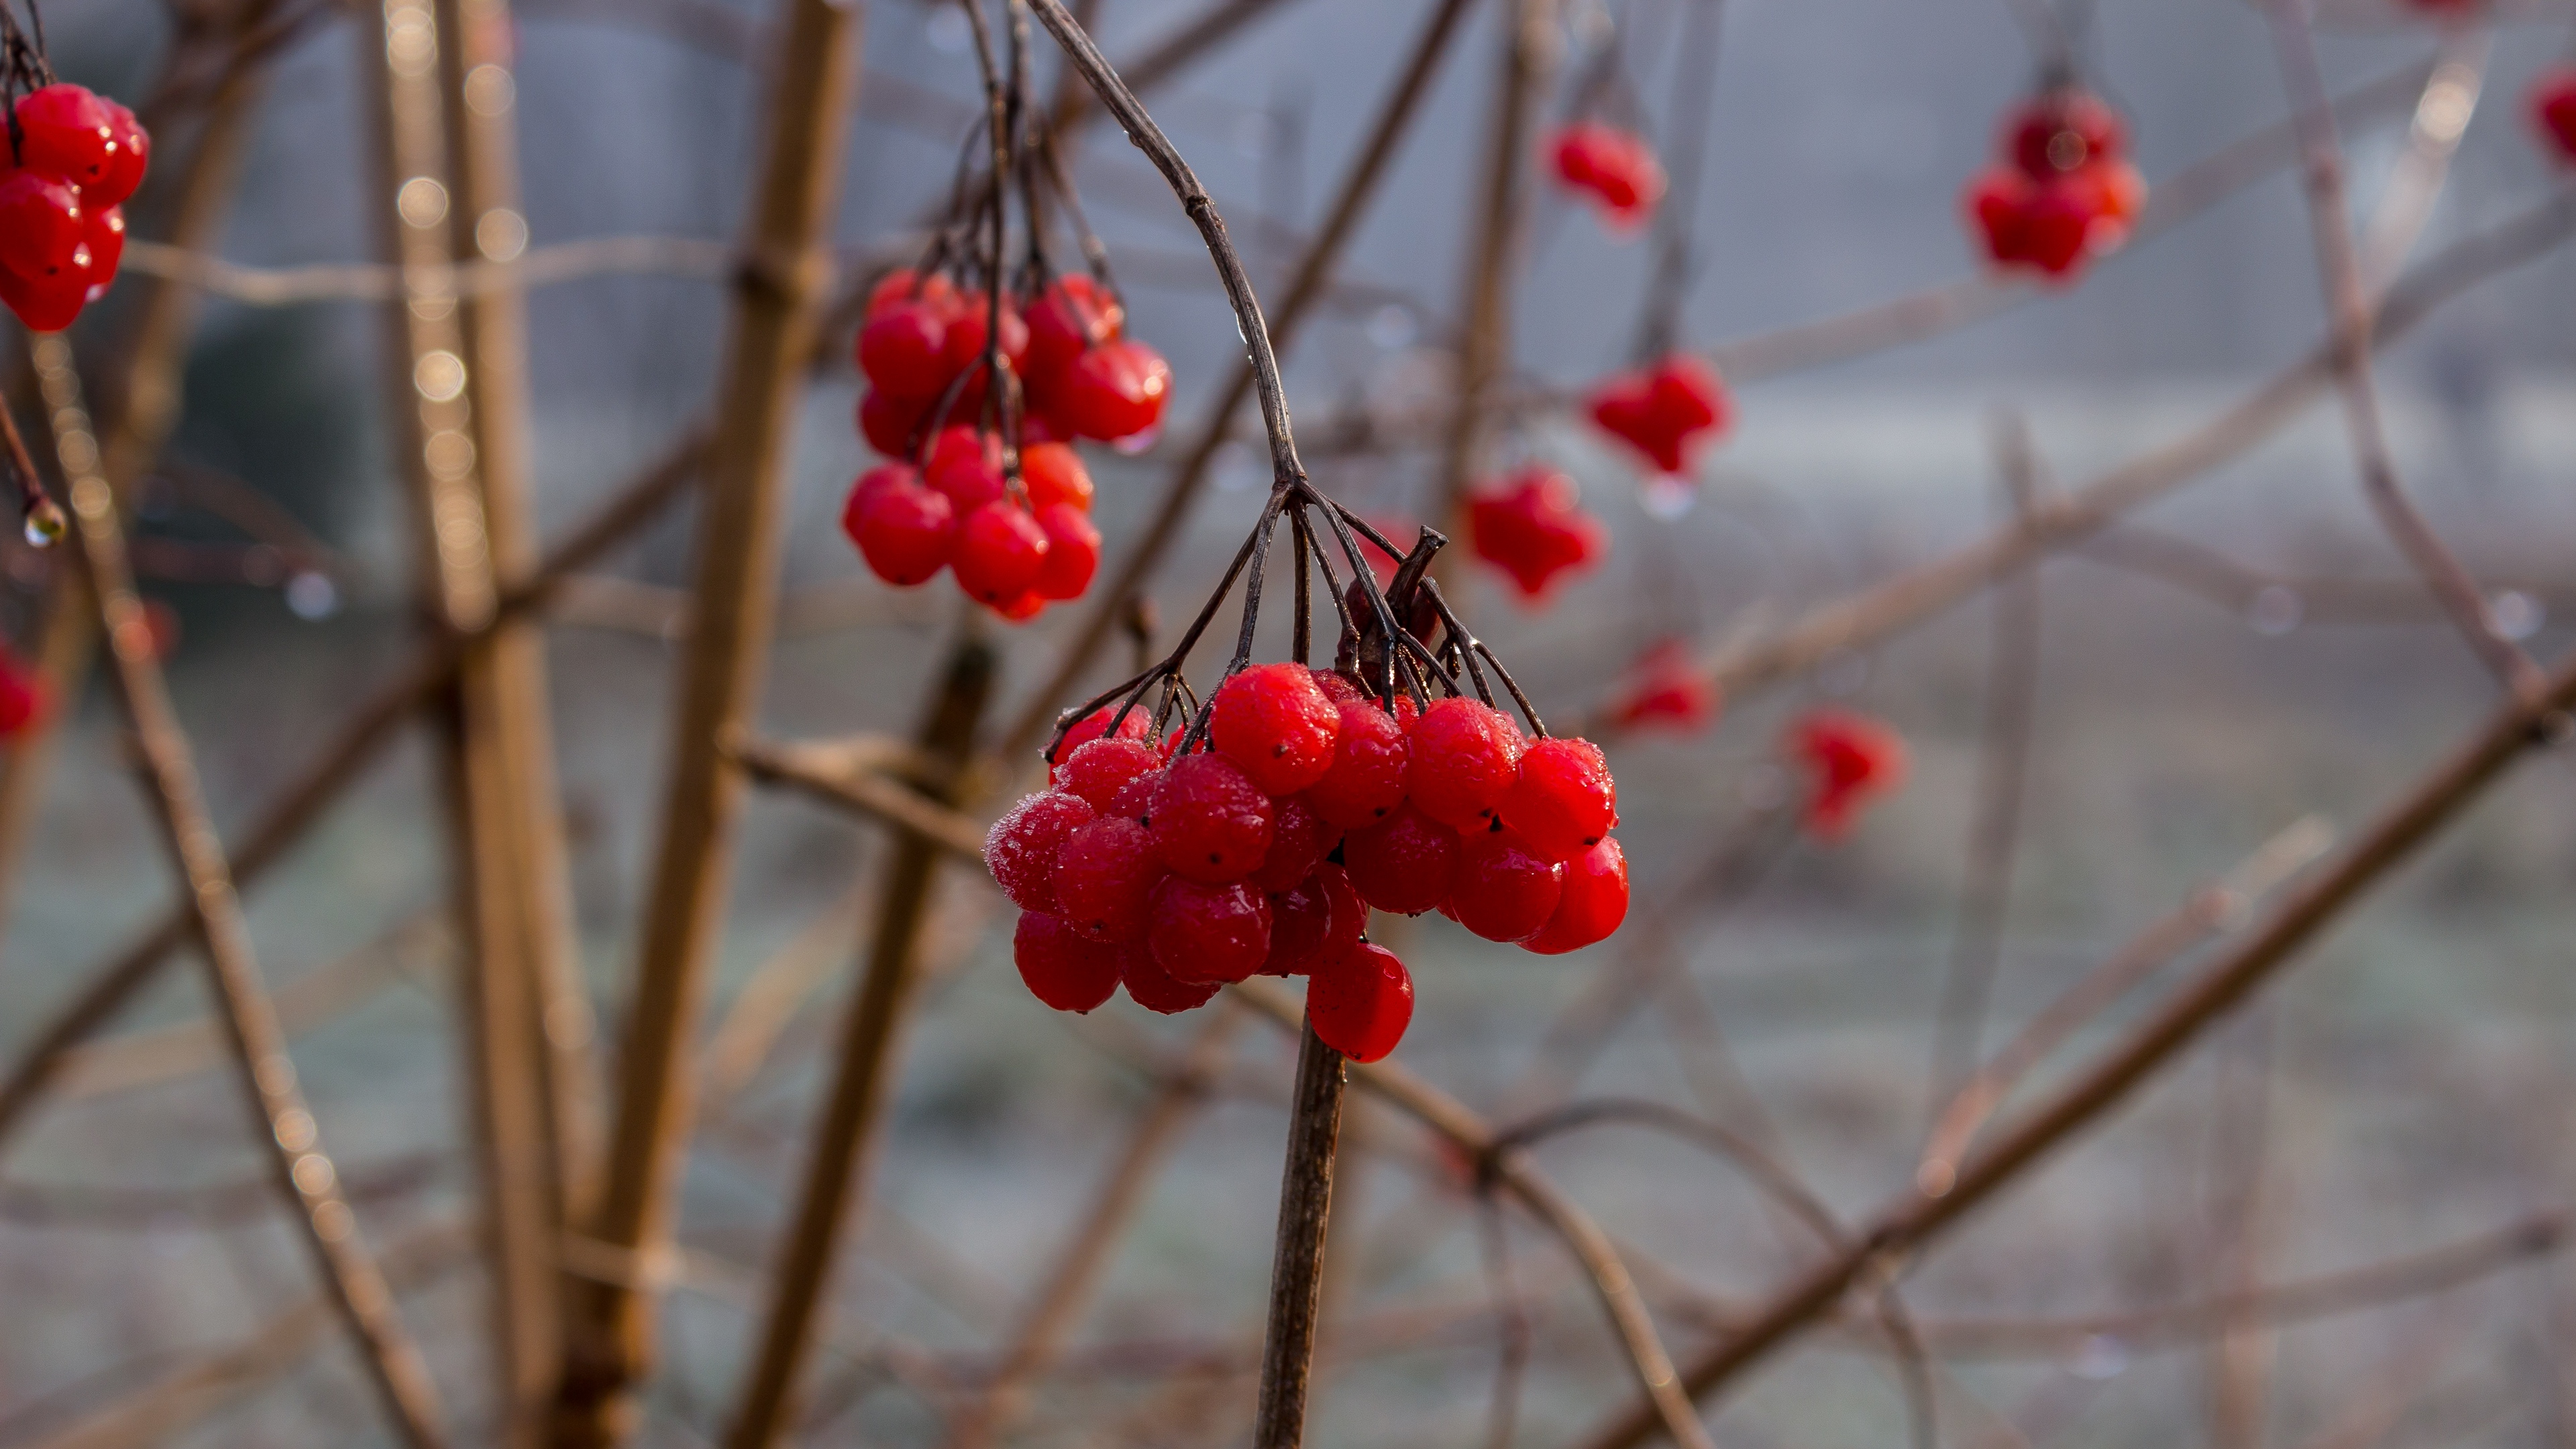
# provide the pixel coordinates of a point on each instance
(1614, 169)
(2063, 190)
(1532, 527)
(2553, 110)
(1850, 760)
(1665, 691)
(1262, 851)
(924, 339)
(77, 157)
(1667, 411)
(1013, 549)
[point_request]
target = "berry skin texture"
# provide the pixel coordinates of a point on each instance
(1053, 473)
(1101, 768)
(1104, 875)
(1504, 888)
(1337, 686)
(1072, 554)
(1465, 755)
(1021, 848)
(1209, 823)
(2553, 112)
(1000, 550)
(1208, 933)
(1151, 987)
(1136, 724)
(1402, 865)
(1851, 759)
(1564, 802)
(1360, 1003)
(1593, 903)
(1274, 722)
(906, 532)
(1299, 841)
(1059, 967)
(1370, 755)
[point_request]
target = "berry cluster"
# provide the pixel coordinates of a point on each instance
(74, 159)
(2553, 110)
(1615, 170)
(2063, 191)
(1173, 871)
(1667, 411)
(923, 344)
(1533, 529)
(1850, 760)
(1014, 549)
(1664, 691)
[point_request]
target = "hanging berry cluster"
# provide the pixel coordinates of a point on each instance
(1668, 411)
(1184, 846)
(1532, 527)
(1614, 169)
(74, 157)
(977, 416)
(2062, 191)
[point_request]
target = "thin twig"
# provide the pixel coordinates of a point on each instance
(1297, 1261)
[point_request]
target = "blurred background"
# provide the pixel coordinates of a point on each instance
(2243, 656)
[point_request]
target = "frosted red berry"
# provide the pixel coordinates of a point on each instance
(1592, 904)
(1564, 801)
(1208, 933)
(1274, 722)
(1103, 876)
(1299, 841)
(1360, 1002)
(1021, 848)
(1133, 724)
(1464, 755)
(1209, 823)
(1504, 888)
(1370, 755)
(1072, 552)
(1061, 967)
(906, 532)
(1403, 864)
(1000, 550)
(1153, 988)
(1101, 768)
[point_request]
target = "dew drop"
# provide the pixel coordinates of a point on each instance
(45, 524)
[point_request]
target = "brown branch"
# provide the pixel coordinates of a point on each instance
(1297, 1258)
(1915, 1219)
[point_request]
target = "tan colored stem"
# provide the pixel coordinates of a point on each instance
(1297, 1258)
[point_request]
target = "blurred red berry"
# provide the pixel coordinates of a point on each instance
(66, 132)
(1667, 412)
(1615, 170)
(1072, 552)
(2553, 111)
(1533, 529)
(1850, 759)
(1000, 550)
(1665, 691)
(1114, 391)
(1053, 473)
(1074, 314)
(132, 157)
(907, 533)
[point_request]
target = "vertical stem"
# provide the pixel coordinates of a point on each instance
(305, 1173)
(779, 290)
(835, 1183)
(1686, 142)
(1297, 1265)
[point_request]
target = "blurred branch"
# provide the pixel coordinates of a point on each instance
(660, 256)
(92, 1208)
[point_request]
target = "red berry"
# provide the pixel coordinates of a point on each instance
(1533, 530)
(1299, 841)
(1073, 551)
(1366, 780)
(1594, 902)
(1505, 888)
(103, 231)
(1114, 391)
(22, 696)
(1102, 768)
(1465, 754)
(1135, 799)
(2553, 110)
(1153, 988)
(1061, 968)
(1666, 691)
(41, 227)
(1317, 918)
(1135, 724)
(1403, 864)
(1208, 933)
(1027, 606)
(1615, 168)
(1209, 823)
(1360, 1002)
(66, 132)
(903, 351)
(1000, 550)
(900, 285)
(1074, 314)
(1103, 875)
(967, 466)
(905, 531)
(47, 304)
(1564, 801)
(1274, 722)
(126, 167)
(965, 340)
(1021, 848)
(1337, 686)
(2061, 132)
(889, 422)
(1053, 473)
(1850, 759)
(1666, 412)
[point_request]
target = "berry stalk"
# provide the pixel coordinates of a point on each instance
(1297, 1264)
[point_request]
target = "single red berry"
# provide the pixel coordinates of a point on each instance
(1299, 841)
(1593, 903)
(1850, 759)
(1135, 799)
(1151, 987)
(1615, 169)
(1208, 933)
(1209, 823)
(103, 231)
(1532, 528)
(41, 227)
(1665, 691)
(1274, 722)
(1667, 412)
(1060, 967)
(903, 351)
(1360, 1002)
(2062, 132)
(1337, 686)
(1104, 873)
(1403, 864)
(1114, 391)
(966, 465)
(22, 696)
(1073, 551)
(1101, 768)
(1021, 848)
(66, 132)
(1366, 781)
(1504, 888)
(1465, 754)
(1564, 801)
(45, 304)
(1053, 473)
(1133, 724)
(906, 532)
(889, 422)
(1000, 550)
(1074, 314)
(2553, 111)
(126, 167)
